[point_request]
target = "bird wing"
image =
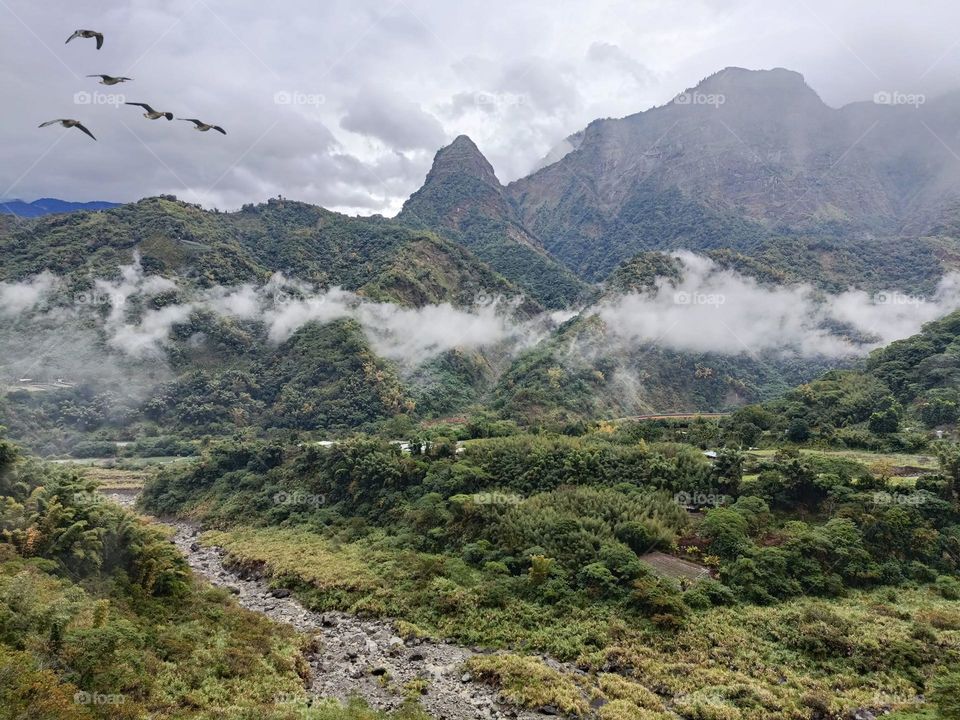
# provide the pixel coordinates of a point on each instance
(81, 127)
(124, 78)
(99, 37)
(219, 129)
(193, 120)
(76, 34)
(51, 122)
(99, 76)
(143, 105)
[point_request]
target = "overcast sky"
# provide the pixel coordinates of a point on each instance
(344, 102)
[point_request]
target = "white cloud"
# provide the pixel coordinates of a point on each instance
(18, 297)
(551, 68)
(709, 310)
(716, 310)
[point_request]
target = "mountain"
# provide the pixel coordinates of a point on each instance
(754, 163)
(50, 206)
(890, 401)
(377, 258)
(582, 232)
(214, 371)
(584, 371)
(462, 200)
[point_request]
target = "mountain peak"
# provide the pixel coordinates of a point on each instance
(462, 156)
(776, 85)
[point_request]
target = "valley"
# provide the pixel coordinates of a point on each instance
(664, 430)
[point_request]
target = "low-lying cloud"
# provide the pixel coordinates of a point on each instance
(128, 323)
(404, 334)
(711, 310)
(716, 310)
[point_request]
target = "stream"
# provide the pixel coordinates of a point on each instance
(354, 656)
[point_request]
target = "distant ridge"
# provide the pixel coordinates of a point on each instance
(50, 206)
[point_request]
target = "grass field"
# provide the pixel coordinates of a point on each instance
(926, 462)
(125, 462)
(117, 479)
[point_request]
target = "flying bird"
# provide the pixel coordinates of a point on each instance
(152, 114)
(110, 79)
(87, 34)
(202, 126)
(67, 123)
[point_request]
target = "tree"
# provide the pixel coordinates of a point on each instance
(728, 470)
(798, 431)
(949, 456)
(726, 530)
(883, 422)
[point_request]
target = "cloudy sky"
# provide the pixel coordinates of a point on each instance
(344, 102)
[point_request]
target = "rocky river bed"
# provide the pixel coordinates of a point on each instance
(354, 656)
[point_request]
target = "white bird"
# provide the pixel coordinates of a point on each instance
(110, 79)
(67, 123)
(152, 114)
(87, 34)
(202, 126)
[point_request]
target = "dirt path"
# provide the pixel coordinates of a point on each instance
(356, 657)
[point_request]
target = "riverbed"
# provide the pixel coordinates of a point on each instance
(354, 656)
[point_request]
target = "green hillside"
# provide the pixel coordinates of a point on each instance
(373, 256)
(894, 400)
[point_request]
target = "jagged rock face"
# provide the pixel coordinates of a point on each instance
(460, 184)
(744, 154)
(462, 156)
(462, 200)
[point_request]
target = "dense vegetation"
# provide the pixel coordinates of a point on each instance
(379, 258)
(901, 393)
(100, 618)
(541, 543)
(654, 219)
(324, 377)
(581, 373)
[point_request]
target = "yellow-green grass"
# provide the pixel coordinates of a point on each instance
(865, 457)
(118, 479)
(124, 462)
(299, 554)
(432, 595)
(528, 682)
